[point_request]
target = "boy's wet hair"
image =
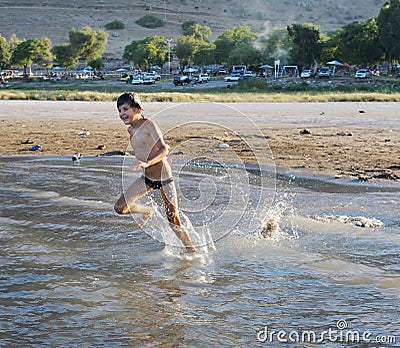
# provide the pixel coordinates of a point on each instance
(131, 98)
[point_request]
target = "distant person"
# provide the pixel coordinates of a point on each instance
(151, 155)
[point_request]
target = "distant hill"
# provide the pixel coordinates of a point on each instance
(55, 18)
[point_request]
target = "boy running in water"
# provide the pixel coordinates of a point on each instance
(151, 155)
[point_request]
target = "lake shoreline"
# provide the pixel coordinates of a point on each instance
(337, 140)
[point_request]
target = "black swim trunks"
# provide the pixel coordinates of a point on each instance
(156, 184)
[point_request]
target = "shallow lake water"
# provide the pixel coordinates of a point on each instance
(74, 273)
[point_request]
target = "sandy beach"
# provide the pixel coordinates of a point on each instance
(358, 140)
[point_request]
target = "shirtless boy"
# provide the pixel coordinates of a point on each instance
(151, 155)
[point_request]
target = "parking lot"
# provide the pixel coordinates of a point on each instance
(166, 83)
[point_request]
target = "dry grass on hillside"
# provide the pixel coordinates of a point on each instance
(54, 18)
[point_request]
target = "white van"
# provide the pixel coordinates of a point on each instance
(201, 78)
(239, 69)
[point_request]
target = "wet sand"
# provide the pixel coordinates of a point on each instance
(359, 140)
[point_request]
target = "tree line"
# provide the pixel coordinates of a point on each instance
(366, 43)
(86, 44)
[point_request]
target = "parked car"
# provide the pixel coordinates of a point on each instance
(362, 74)
(137, 80)
(234, 77)
(154, 75)
(307, 74)
(201, 78)
(324, 72)
(249, 73)
(181, 80)
(148, 80)
(125, 78)
(222, 71)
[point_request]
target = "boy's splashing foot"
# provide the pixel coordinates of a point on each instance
(191, 249)
(184, 237)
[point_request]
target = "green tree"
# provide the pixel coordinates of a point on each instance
(227, 41)
(65, 56)
(307, 46)
(186, 48)
(5, 52)
(150, 22)
(194, 46)
(44, 56)
(198, 31)
(276, 46)
(13, 42)
(389, 29)
(151, 51)
(187, 24)
(204, 54)
(115, 25)
(357, 43)
(330, 45)
(96, 64)
(32, 51)
(245, 53)
(88, 43)
(134, 53)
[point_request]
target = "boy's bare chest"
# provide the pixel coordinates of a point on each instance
(139, 140)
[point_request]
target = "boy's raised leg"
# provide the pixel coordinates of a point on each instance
(126, 202)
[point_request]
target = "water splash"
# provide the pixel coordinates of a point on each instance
(158, 228)
(202, 237)
(359, 221)
(272, 224)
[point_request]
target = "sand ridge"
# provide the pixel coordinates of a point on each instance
(342, 141)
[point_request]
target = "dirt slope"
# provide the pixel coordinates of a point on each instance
(54, 18)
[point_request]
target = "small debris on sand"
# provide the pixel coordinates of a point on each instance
(101, 147)
(305, 131)
(83, 133)
(35, 147)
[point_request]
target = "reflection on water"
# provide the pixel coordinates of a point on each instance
(76, 274)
